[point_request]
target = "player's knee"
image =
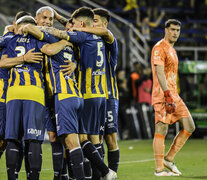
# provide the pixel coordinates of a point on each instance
(52, 136)
(83, 137)
(191, 128)
(111, 141)
(161, 128)
(72, 142)
(3, 144)
(94, 139)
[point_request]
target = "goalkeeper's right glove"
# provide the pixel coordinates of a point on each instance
(169, 103)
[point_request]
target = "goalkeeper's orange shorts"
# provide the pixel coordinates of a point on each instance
(181, 111)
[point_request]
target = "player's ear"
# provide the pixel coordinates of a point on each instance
(105, 24)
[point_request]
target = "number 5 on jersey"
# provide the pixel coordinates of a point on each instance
(99, 63)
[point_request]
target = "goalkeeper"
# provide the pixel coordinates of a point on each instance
(169, 107)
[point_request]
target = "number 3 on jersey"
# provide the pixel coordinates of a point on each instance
(99, 63)
(22, 51)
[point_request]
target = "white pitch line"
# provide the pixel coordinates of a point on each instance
(124, 162)
(138, 161)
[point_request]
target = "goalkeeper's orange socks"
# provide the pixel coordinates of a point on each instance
(159, 150)
(177, 144)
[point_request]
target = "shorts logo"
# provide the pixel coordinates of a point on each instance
(102, 128)
(34, 131)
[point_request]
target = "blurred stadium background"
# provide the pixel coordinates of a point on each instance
(134, 47)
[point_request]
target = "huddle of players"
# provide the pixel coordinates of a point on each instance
(80, 108)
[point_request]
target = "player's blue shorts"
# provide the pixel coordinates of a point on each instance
(50, 119)
(111, 124)
(2, 119)
(94, 113)
(68, 112)
(25, 118)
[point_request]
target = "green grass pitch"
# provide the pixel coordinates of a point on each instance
(137, 161)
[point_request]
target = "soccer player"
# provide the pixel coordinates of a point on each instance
(68, 102)
(45, 17)
(9, 31)
(91, 82)
(169, 107)
(25, 110)
(101, 20)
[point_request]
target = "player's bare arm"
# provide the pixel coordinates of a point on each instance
(54, 48)
(31, 29)
(60, 18)
(55, 32)
(29, 57)
(161, 77)
(103, 32)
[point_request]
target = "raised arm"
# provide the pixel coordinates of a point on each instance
(31, 29)
(60, 18)
(29, 57)
(103, 32)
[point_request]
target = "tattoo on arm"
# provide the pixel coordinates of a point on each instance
(56, 32)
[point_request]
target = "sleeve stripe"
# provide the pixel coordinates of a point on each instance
(42, 36)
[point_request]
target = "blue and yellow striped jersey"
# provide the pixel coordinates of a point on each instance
(27, 73)
(59, 82)
(3, 71)
(111, 63)
(3, 80)
(92, 77)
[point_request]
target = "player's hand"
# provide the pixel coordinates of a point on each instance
(9, 28)
(75, 29)
(169, 103)
(69, 68)
(33, 57)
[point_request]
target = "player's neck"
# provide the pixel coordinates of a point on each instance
(169, 42)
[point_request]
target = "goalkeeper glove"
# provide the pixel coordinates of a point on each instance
(169, 103)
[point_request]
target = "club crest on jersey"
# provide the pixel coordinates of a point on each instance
(156, 53)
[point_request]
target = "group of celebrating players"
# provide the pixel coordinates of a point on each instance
(63, 81)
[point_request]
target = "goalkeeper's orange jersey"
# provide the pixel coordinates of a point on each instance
(164, 54)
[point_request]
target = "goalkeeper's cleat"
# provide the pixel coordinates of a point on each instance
(172, 167)
(165, 173)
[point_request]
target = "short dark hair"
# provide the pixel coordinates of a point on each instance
(172, 21)
(21, 14)
(103, 13)
(83, 12)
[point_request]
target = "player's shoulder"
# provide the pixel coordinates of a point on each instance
(160, 45)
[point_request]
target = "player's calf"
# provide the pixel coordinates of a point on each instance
(57, 159)
(35, 159)
(12, 154)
